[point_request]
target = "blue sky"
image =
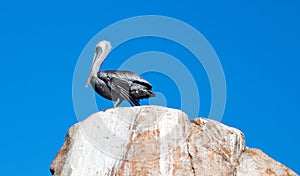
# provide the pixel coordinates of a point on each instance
(257, 44)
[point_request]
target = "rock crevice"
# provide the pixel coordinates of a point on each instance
(191, 158)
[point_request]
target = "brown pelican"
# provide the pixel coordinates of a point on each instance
(116, 85)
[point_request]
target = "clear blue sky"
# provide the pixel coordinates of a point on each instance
(257, 43)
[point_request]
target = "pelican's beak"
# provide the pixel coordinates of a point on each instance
(89, 78)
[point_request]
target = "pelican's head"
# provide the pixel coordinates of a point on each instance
(101, 52)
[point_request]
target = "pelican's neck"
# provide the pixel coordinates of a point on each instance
(103, 48)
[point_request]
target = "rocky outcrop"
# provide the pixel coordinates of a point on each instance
(153, 140)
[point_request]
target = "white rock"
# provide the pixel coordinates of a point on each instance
(153, 140)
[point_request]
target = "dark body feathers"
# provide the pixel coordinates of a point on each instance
(122, 85)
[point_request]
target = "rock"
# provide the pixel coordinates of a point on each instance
(256, 162)
(153, 140)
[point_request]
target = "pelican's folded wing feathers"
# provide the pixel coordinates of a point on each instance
(121, 89)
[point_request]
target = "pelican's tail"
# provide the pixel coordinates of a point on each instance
(151, 94)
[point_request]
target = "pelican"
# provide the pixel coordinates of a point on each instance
(116, 85)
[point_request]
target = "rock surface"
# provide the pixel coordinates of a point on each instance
(153, 140)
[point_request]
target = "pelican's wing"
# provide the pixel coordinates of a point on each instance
(133, 77)
(121, 88)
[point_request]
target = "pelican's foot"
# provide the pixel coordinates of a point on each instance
(108, 108)
(118, 102)
(105, 109)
